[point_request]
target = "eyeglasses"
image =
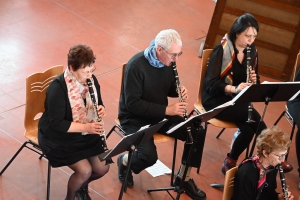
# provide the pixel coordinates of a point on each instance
(87, 72)
(173, 55)
(280, 156)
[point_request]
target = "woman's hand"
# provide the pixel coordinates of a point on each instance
(290, 196)
(101, 111)
(94, 127)
(176, 109)
(184, 94)
(253, 77)
(242, 86)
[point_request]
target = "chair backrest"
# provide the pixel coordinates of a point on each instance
(204, 64)
(36, 87)
(229, 183)
(297, 63)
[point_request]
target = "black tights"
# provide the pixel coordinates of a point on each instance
(85, 171)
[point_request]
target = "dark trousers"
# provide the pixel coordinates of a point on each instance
(146, 154)
(238, 113)
(294, 110)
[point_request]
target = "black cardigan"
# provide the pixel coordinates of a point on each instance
(57, 117)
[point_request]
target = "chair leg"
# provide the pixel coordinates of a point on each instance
(173, 162)
(12, 159)
(223, 129)
(276, 122)
(48, 181)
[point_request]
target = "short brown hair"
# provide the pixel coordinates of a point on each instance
(272, 139)
(80, 55)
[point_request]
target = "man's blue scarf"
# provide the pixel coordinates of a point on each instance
(150, 55)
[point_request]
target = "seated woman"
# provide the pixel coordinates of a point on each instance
(69, 134)
(229, 73)
(255, 178)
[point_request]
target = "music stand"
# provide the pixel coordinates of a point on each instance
(267, 92)
(130, 143)
(192, 121)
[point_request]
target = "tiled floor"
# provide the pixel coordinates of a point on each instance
(35, 35)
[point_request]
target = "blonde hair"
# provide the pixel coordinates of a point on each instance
(272, 139)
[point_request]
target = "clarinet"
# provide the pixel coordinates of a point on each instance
(99, 119)
(249, 68)
(283, 183)
(178, 89)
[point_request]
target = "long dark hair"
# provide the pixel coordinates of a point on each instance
(241, 24)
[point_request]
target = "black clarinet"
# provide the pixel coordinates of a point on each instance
(249, 69)
(178, 89)
(285, 190)
(99, 119)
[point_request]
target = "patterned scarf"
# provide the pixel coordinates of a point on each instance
(150, 55)
(228, 56)
(261, 171)
(81, 112)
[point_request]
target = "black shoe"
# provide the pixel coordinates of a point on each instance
(122, 172)
(190, 188)
(83, 194)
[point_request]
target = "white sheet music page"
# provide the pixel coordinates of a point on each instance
(158, 169)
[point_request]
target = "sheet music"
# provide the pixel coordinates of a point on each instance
(240, 94)
(295, 95)
(269, 82)
(158, 169)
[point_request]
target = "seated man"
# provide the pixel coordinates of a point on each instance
(256, 176)
(148, 82)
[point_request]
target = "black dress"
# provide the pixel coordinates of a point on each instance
(64, 148)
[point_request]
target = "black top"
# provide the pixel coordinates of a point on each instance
(57, 118)
(145, 91)
(213, 92)
(245, 183)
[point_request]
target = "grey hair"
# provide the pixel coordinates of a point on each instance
(166, 37)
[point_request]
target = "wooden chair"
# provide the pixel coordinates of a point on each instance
(158, 137)
(286, 113)
(198, 105)
(36, 86)
(229, 184)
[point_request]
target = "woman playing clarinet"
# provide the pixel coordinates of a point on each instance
(256, 176)
(69, 134)
(227, 75)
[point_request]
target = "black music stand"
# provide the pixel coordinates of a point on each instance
(192, 121)
(130, 143)
(265, 92)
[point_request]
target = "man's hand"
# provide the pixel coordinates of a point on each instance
(176, 109)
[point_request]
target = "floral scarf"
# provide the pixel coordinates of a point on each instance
(80, 100)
